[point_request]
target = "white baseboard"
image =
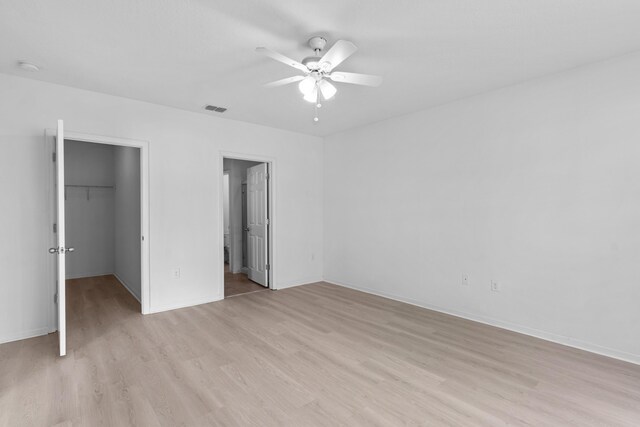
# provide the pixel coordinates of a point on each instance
(547, 336)
(127, 287)
(300, 282)
(184, 304)
(84, 275)
(24, 335)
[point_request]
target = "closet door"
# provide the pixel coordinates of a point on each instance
(60, 251)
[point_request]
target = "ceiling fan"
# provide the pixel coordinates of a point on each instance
(318, 70)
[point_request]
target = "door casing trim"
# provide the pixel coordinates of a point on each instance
(273, 223)
(145, 284)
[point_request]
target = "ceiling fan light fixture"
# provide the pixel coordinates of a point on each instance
(312, 96)
(307, 85)
(319, 68)
(328, 90)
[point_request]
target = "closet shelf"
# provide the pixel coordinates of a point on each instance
(88, 186)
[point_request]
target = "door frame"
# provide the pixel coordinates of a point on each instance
(244, 269)
(145, 285)
(273, 223)
(226, 173)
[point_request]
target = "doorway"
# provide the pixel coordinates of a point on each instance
(246, 226)
(100, 216)
(102, 205)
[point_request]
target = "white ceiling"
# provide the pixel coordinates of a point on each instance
(188, 53)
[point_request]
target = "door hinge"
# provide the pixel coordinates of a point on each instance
(53, 156)
(267, 222)
(268, 267)
(267, 176)
(55, 298)
(55, 227)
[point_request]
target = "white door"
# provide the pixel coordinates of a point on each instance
(258, 224)
(61, 249)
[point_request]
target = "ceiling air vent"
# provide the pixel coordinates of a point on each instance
(216, 109)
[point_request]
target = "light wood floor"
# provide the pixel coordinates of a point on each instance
(238, 284)
(312, 355)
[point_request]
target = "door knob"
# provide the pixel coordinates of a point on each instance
(246, 229)
(61, 250)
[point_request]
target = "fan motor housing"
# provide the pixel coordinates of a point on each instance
(317, 43)
(312, 62)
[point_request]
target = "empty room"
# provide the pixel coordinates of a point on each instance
(295, 213)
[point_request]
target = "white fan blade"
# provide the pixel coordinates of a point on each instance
(280, 57)
(340, 51)
(356, 78)
(283, 82)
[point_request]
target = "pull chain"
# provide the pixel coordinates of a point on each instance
(317, 105)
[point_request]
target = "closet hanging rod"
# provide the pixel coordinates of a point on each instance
(86, 187)
(89, 186)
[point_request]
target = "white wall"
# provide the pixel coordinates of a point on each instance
(127, 218)
(237, 175)
(185, 185)
(535, 186)
(90, 223)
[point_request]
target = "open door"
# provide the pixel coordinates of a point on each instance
(258, 224)
(61, 249)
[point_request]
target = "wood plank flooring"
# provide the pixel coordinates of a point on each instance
(238, 284)
(315, 355)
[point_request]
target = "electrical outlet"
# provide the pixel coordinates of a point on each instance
(465, 280)
(175, 273)
(495, 287)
